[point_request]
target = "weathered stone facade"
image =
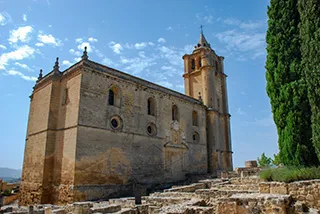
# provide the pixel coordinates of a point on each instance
(94, 132)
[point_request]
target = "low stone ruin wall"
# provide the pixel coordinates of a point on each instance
(307, 192)
(254, 203)
(9, 199)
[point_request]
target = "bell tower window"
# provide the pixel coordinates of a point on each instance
(193, 64)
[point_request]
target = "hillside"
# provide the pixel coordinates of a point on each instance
(8, 173)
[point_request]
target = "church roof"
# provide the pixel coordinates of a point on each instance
(202, 41)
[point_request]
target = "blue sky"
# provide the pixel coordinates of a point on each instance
(143, 38)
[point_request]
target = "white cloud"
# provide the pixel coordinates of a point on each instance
(5, 18)
(39, 44)
(137, 65)
(116, 47)
(21, 34)
(48, 39)
(208, 19)
(142, 54)
(17, 73)
(83, 45)
(66, 62)
(24, 17)
(74, 52)
(99, 54)
(78, 40)
(253, 44)
(161, 40)
(169, 68)
(77, 59)
(3, 47)
(24, 66)
(240, 112)
(169, 28)
(18, 54)
(141, 45)
(107, 61)
(249, 25)
(91, 39)
(172, 55)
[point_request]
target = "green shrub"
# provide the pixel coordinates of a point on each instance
(290, 174)
(7, 192)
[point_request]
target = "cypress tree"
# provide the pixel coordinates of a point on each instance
(310, 48)
(286, 86)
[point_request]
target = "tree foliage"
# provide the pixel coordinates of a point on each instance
(310, 48)
(286, 85)
(264, 161)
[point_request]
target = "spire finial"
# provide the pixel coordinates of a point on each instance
(56, 66)
(201, 29)
(85, 54)
(40, 75)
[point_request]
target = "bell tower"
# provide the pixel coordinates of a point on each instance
(204, 78)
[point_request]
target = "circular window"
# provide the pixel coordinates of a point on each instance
(152, 129)
(195, 137)
(115, 122)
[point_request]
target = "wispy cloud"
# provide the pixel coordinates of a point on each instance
(3, 47)
(24, 17)
(116, 47)
(136, 65)
(67, 63)
(83, 45)
(22, 65)
(240, 112)
(169, 28)
(91, 39)
(48, 39)
(21, 34)
(17, 73)
(161, 40)
(252, 44)
(249, 25)
(18, 54)
(208, 19)
(5, 18)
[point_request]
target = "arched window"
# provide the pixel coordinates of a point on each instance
(200, 63)
(175, 113)
(114, 96)
(194, 118)
(193, 64)
(111, 97)
(151, 106)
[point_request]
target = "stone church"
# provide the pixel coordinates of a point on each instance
(94, 132)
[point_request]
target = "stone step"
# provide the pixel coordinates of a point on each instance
(106, 209)
(211, 182)
(187, 188)
(219, 193)
(250, 187)
(174, 194)
(245, 180)
(165, 201)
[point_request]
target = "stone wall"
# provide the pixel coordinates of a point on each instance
(127, 155)
(303, 191)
